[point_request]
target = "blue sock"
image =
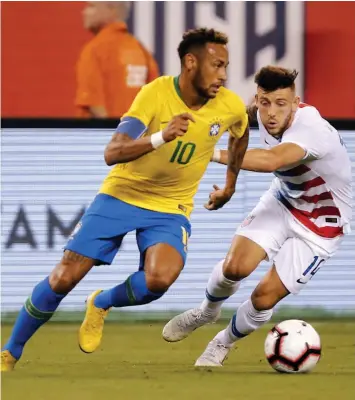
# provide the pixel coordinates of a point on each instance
(38, 309)
(132, 292)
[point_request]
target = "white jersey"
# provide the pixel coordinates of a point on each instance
(317, 191)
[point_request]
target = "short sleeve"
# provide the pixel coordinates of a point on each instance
(89, 80)
(144, 106)
(314, 142)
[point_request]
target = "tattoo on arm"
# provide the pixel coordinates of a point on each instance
(236, 152)
(237, 149)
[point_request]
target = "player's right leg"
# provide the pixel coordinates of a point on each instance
(250, 316)
(42, 303)
(294, 266)
(242, 259)
(250, 246)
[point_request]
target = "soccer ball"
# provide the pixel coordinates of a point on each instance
(293, 346)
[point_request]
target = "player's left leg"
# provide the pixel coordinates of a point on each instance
(163, 264)
(162, 241)
(294, 265)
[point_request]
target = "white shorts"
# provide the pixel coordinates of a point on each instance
(296, 252)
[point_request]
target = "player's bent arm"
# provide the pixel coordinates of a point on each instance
(261, 160)
(236, 152)
(128, 144)
(122, 148)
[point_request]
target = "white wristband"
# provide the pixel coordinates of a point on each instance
(157, 139)
(216, 157)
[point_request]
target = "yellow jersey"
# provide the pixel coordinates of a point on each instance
(167, 179)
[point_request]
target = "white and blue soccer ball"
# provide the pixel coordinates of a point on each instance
(293, 346)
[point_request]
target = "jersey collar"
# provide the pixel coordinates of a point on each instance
(177, 87)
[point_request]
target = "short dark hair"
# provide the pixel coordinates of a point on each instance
(271, 78)
(196, 38)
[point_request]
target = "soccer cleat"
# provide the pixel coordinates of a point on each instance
(214, 355)
(90, 332)
(7, 361)
(183, 324)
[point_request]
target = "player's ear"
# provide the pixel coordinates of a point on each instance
(256, 99)
(296, 103)
(190, 61)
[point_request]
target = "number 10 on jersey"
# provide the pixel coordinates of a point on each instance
(183, 153)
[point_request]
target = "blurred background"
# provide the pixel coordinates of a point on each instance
(41, 43)
(68, 70)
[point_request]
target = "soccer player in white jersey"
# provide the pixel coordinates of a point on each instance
(297, 225)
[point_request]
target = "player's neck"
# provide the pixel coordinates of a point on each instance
(188, 94)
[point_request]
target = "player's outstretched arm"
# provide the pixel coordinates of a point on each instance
(261, 160)
(281, 156)
(126, 145)
(220, 156)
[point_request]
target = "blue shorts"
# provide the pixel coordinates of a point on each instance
(99, 233)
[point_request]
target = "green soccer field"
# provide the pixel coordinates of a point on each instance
(135, 363)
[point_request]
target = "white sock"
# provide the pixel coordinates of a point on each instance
(246, 320)
(219, 288)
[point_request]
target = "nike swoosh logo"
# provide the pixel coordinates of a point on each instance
(299, 281)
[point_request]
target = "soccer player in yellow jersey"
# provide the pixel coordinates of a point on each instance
(160, 152)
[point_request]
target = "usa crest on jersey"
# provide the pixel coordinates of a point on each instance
(247, 221)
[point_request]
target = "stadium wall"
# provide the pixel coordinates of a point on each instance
(49, 176)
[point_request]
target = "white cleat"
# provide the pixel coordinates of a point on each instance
(214, 355)
(183, 324)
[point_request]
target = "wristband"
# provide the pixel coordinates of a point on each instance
(157, 139)
(216, 157)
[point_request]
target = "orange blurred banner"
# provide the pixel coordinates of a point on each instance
(40, 45)
(41, 42)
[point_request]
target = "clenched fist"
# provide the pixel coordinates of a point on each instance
(177, 126)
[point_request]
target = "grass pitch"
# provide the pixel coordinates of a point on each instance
(135, 363)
